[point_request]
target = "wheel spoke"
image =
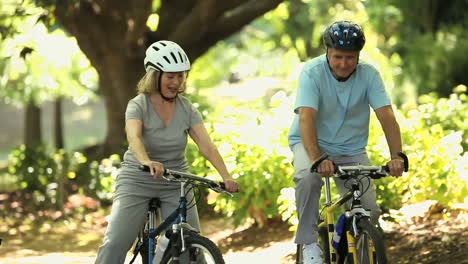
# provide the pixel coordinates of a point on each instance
(200, 250)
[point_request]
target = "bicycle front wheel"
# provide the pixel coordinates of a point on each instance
(144, 248)
(369, 245)
(199, 250)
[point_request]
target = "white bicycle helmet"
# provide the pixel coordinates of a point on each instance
(166, 56)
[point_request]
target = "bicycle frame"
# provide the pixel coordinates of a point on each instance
(329, 219)
(356, 211)
(178, 218)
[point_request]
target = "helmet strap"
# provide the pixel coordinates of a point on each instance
(168, 99)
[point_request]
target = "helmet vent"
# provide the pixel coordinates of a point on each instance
(158, 67)
(180, 56)
(155, 48)
(174, 57)
(166, 59)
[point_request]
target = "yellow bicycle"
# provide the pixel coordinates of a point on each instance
(361, 241)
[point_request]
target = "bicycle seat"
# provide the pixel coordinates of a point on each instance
(154, 203)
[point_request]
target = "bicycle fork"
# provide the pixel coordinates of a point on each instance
(353, 250)
(177, 236)
(353, 233)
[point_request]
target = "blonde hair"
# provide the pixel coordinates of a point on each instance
(149, 83)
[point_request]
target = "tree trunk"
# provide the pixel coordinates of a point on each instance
(58, 124)
(32, 127)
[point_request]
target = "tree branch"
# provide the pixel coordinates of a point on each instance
(224, 26)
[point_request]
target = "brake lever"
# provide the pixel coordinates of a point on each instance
(220, 187)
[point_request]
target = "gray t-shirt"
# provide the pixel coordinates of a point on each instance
(163, 144)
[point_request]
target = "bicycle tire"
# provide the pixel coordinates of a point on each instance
(299, 256)
(324, 243)
(367, 232)
(197, 245)
(144, 250)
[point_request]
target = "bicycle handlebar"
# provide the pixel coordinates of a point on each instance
(179, 176)
(374, 172)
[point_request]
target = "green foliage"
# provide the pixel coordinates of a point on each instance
(52, 177)
(40, 64)
(251, 141)
(429, 44)
(432, 134)
(34, 169)
(220, 60)
(449, 113)
(260, 176)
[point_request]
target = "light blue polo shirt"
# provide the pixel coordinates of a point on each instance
(342, 107)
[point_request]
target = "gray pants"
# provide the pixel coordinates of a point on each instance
(128, 213)
(308, 191)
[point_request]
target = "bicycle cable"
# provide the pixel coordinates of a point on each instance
(195, 198)
(360, 182)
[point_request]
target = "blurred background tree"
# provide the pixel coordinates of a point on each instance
(429, 38)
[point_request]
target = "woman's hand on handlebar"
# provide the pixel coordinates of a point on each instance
(231, 185)
(155, 168)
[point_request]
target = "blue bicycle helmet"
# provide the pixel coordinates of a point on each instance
(344, 35)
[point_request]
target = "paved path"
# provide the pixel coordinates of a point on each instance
(271, 255)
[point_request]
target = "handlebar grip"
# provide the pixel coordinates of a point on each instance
(316, 164)
(405, 160)
(144, 168)
(386, 168)
(147, 169)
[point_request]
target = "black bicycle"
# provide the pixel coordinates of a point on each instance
(186, 244)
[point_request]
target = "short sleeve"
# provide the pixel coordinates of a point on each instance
(378, 97)
(195, 116)
(307, 92)
(134, 111)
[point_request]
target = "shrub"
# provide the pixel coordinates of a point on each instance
(432, 134)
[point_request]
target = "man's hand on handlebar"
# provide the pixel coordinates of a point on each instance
(396, 167)
(326, 168)
(231, 185)
(155, 168)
